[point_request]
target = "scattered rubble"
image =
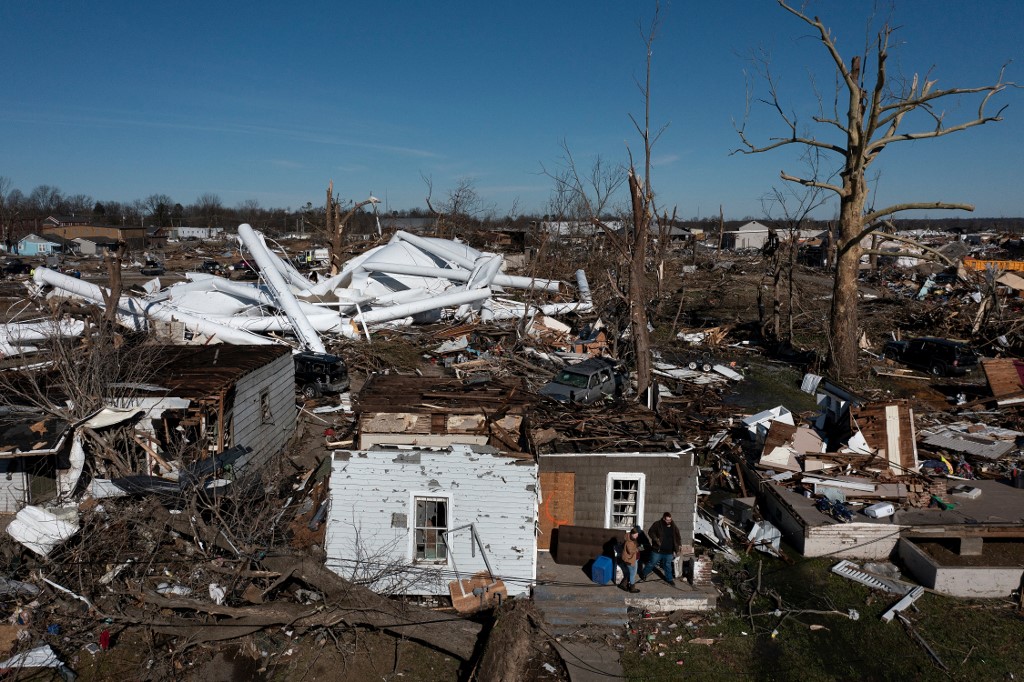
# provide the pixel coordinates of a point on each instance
(216, 499)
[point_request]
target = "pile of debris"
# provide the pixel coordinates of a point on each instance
(409, 280)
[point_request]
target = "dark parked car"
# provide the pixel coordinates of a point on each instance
(587, 382)
(16, 266)
(152, 268)
(212, 267)
(319, 373)
(941, 357)
(244, 270)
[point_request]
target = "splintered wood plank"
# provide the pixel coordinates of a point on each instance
(558, 505)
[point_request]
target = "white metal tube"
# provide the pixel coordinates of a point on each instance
(434, 248)
(223, 332)
(130, 311)
(279, 289)
(433, 303)
(257, 295)
(20, 332)
(287, 270)
(485, 272)
(454, 274)
(460, 275)
(133, 315)
(583, 286)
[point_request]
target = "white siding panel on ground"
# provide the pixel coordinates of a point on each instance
(370, 525)
(266, 438)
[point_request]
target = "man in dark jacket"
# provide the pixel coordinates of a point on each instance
(666, 542)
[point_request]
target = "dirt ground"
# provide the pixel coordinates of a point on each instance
(997, 553)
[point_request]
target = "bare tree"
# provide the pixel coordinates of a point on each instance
(872, 120)
(461, 209)
(336, 222)
(249, 211)
(790, 206)
(45, 199)
(208, 207)
(158, 207)
(631, 244)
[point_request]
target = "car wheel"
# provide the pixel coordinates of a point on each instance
(310, 391)
(692, 365)
(938, 369)
(706, 367)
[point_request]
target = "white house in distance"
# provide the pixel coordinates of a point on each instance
(185, 232)
(753, 235)
(398, 517)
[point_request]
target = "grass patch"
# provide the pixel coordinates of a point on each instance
(767, 385)
(976, 640)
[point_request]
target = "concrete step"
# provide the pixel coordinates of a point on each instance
(564, 617)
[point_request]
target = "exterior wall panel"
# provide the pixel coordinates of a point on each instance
(248, 427)
(369, 529)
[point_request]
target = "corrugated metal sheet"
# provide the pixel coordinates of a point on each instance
(369, 529)
(980, 447)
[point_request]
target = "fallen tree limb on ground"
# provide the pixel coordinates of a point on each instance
(450, 634)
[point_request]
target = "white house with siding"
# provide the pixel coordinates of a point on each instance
(397, 515)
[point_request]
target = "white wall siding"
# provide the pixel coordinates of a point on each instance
(370, 525)
(265, 438)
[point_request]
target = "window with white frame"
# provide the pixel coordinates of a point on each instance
(624, 500)
(430, 516)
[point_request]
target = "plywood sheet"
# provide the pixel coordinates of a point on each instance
(558, 504)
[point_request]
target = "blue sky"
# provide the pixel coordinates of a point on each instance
(270, 101)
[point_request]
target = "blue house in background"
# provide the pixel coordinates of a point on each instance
(34, 245)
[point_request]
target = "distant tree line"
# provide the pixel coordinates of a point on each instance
(21, 213)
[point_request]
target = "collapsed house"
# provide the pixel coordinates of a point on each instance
(32, 449)
(868, 482)
(217, 398)
(187, 405)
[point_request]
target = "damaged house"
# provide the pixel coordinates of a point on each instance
(187, 404)
(616, 490)
(217, 397)
(440, 486)
(413, 520)
(33, 446)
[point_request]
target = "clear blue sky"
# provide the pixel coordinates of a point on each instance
(270, 100)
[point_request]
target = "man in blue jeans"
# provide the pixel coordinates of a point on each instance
(665, 545)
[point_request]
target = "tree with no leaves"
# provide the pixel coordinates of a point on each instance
(874, 117)
(631, 245)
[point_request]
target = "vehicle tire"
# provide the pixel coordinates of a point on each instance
(937, 369)
(692, 365)
(310, 391)
(706, 367)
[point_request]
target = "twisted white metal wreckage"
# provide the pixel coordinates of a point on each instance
(409, 280)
